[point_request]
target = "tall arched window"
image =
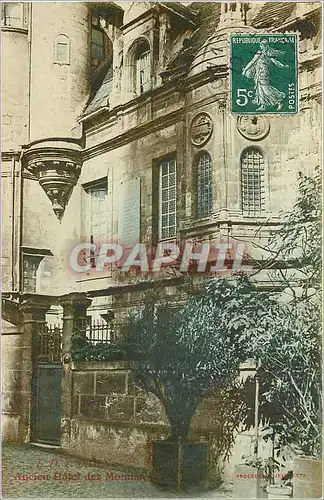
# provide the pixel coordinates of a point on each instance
(204, 201)
(143, 72)
(137, 67)
(142, 68)
(62, 50)
(252, 181)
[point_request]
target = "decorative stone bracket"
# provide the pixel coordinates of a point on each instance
(56, 164)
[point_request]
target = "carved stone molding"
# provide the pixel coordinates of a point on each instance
(57, 166)
(201, 129)
(253, 128)
(222, 104)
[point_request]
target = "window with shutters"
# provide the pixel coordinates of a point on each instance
(167, 199)
(204, 201)
(252, 181)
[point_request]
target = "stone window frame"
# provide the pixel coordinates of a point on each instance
(31, 273)
(252, 181)
(62, 40)
(106, 45)
(143, 73)
(164, 191)
(35, 257)
(140, 47)
(96, 185)
(22, 23)
(203, 182)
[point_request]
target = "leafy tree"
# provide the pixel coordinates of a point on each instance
(184, 352)
(290, 356)
(297, 244)
(290, 350)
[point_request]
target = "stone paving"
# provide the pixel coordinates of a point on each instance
(30, 471)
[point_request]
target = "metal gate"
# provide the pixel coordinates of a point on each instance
(46, 422)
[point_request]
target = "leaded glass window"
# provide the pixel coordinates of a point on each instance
(167, 199)
(252, 181)
(204, 185)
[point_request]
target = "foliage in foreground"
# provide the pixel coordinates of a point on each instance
(290, 351)
(290, 355)
(297, 244)
(183, 353)
(84, 350)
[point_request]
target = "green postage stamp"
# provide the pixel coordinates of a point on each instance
(264, 73)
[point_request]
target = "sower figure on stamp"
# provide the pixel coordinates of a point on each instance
(258, 69)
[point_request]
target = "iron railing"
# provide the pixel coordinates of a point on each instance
(49, 338)
(49, 345)
(97, 330)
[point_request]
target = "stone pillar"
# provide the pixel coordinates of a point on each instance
(33, 312)
(74, 314)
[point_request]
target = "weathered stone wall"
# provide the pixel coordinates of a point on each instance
(307, 482)
(10, 194)
(15, 88)
(58, 91)
(107, 408)
(16, 393)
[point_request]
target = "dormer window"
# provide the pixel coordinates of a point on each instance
(99, 42)
(138, 67)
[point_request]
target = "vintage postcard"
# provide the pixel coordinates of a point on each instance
(161, 249)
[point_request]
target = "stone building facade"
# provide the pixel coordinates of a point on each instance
(103, 107)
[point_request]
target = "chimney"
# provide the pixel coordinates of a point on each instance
(233, 14)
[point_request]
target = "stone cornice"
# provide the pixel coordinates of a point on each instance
(134, 133)
(179, 84)
(311, 92)
(8, 155)
(191, 228)
(157, 123)
(74, 299)
(311, 63)
(109, 118)
(24, 31)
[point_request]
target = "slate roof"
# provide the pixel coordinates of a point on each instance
(101, 97)
(273, 14)
(183, 10)
(207, 16)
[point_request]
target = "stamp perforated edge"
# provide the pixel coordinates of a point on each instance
(229, 77)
